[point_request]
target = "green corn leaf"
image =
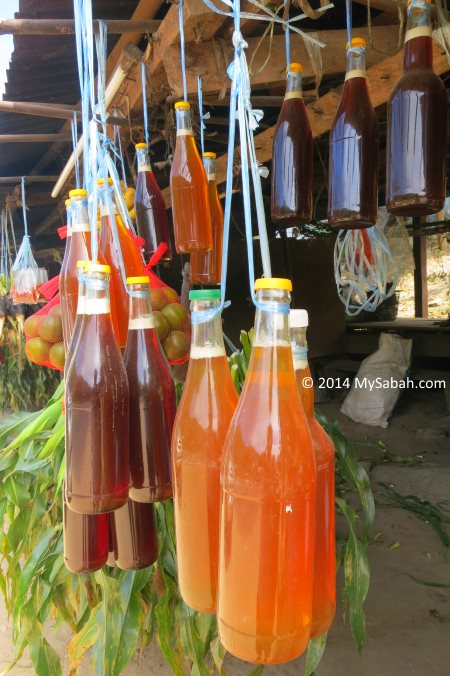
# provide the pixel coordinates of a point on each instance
(104, 651)
(256, 671)
(29, 570)
(246, 345)
(131, 584)
(14, 424)
(55, 438)
(45, 420)
(166, 628)
(84, 639)
(218, 653)
(16, 492)
(316, 648)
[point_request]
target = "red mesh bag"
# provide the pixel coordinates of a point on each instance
(43, 330)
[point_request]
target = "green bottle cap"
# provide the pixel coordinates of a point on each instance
(204, 294)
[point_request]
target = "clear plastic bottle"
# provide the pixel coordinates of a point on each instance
(152, 400)
(354, 142)
(151, 213)
(189, 189)
(324, 579)
(206, 266)
(97, 408)
(268, 497)
(417, 111)
(203, 417)
(292, 157)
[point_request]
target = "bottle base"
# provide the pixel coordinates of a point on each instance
(80, 568)
(262, 649)
(96, 505)
(321, 627)
(133, 564)
(414, 207)
(149, 495)
(350, 222)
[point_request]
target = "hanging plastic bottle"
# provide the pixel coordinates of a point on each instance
(85, 541)
(63, 271)
(152, 400)
(203, 417)
(324, 579)
(133, 536)
(416, 144)
(354, 142)
(189, 189)
(292, 157)
(97, 408)
(267, 504)
(151, 213)
(132, 258)
(206, 266)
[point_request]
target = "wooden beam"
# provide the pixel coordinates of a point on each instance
(35, 138)
(38, 109)
(390, 6)
(11, 180)
(67, 26)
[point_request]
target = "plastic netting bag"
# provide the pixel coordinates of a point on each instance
(43, 332)
(26, 276)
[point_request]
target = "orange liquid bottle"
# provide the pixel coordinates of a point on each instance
(86, 541)
(292, 157)
(206, 266)
(353, 166)
(324, 581)
(417, 110)
(131, 256)
(152, 400)
(203, 416)
(97, 408)
(189, 189)
(62, 278)
(267, 504)
(133, 536)
(151, 213)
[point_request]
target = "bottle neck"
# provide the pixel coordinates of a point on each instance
(143, 160)
(272, 318)
(207, 336)
(81, 303)
(140, 314)
(210, 167)
(79, 216)
(293, 86)
(97, 294)
(69, 222)
(356, 63)
(106, 198)
(299, 347)
(418, 51)
(184, 124)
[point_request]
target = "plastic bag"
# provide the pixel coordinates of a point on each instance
(43, 331)
(26, 276)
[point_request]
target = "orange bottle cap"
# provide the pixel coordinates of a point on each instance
(100, 181)
(138, 280)
(182, 104)
(296, 68)
(78, 192)
(97, 267)
(140, 146)
(211, 155)
(358, 42)
(273, 283)
(67, 202)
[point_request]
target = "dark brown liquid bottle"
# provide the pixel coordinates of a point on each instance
(151, 212)
(152, 401)
(353, 164)
(97, 408)
(133, 536)
(416, 145)
(292, 157)
(86, 541)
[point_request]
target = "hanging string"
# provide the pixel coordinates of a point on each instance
(183, 56)
(144, 100)
(122, 163)
(287, 34)
(348, 13)
(203, 116)
(24, 206)
(74, 126)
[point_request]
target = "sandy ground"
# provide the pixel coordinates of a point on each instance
(408, 624)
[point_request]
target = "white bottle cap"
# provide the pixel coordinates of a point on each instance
(298, 319)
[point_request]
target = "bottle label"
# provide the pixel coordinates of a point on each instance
(299, 356)
(81, 227)
(185, 132)
(358, 72)
(97, 306)
(141, 323)
(207, 351)
(104, 209)
(144, 167)
(211, 177)
(418, 32)
(81, 305)
(293, 95)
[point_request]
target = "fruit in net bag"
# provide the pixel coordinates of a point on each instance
(171, 321)
(43, 332)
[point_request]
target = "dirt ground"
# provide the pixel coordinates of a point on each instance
(408, 624)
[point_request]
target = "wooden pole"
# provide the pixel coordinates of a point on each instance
(35, 138)
(67, 26)
(60, 111)
(11, 180)
(420, 273)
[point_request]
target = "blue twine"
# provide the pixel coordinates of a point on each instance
(24, 207)
(287, 39)
(74, 128)
(183, 57)
(203, 116)
(348, 15)
(144, 99)
(419, 4)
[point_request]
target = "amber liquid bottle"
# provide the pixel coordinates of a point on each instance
(292, 157)
(86, 541)
(151, 213)
(324, 579)
(189, 189)
(97, 408)
(62, 277)
(206, 266)
(267, 500)
(133, 536)
(203, 417)
(152, 401)
(354, 141)
(416, 145)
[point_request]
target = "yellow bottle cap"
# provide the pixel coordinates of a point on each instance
(273, 283)
(296, 68)
(67, 202)
(211, 155)
(97, 267)
(82, 264)
(100, 181)
(78, 192)
(140, 146)
(357, 42)
(182, 104)
(138, 280)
